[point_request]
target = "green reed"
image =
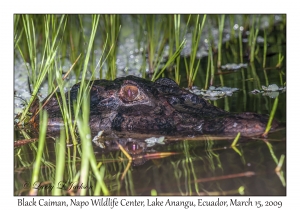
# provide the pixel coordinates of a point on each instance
(177, 40)
(207, 70)
(38, 69)
(265, 49)
(50, 63)
(190, 170)
(60, 162)
(241, 43)
(85, 135)
(88, 158)
(211, 67)
(74, 41)
(280, 59)
(84, 89)
(65, 108)
(253, 36)
(111, 32)
(177, 37)
(172, 58)
(156, 41)
(236, 139)
(193, 66)
(269, 125)
(18, 33)
(232, 31)
(265, 57)
(221, 21)
(38, 161)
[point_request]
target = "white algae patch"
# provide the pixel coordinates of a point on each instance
(271, 91)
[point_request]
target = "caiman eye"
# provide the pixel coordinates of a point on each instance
(130, 93)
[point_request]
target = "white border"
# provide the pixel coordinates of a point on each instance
(8, 8)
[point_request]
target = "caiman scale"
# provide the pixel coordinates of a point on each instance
(136, 105)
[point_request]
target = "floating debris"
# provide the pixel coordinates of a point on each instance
(98, 141)
(214, 93)
(234, 66)
(255, 91)
(272, 90)
(153, 140)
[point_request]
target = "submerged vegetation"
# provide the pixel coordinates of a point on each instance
(60, 50)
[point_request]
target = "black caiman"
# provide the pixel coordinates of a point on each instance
(135, 105)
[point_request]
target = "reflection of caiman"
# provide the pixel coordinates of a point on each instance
(132, 104)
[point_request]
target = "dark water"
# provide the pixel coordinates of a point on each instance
(192, 166)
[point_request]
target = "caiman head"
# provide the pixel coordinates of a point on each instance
(132, 104)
